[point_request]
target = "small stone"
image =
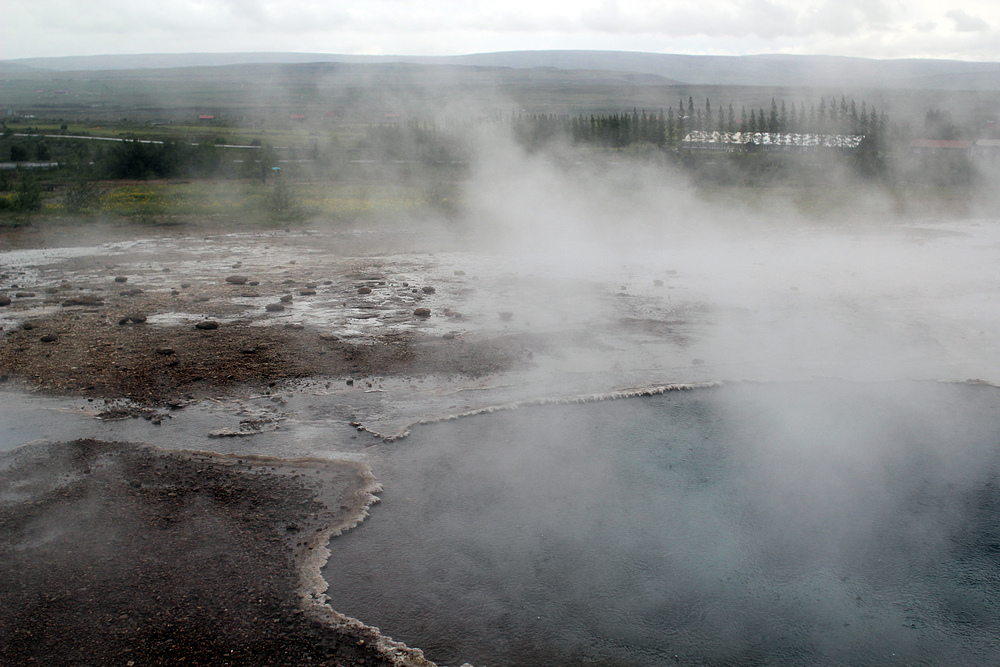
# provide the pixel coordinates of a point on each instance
(24, 295)
(4, 300)
(274, 307)
(49, 338)
(286, 298)
(165, 350)
(448, 336)
(698, 362)
(422, 312)
(658, 283)
(364, 290)
(121, 279)
(459, 273)
(207, 325)
(506, 315)
(185, 285)
(307, 292)
(137, 318)
(236, 280)
(428, 290)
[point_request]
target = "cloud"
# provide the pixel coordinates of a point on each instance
(967, 23)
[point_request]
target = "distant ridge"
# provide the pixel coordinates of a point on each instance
(760, 70)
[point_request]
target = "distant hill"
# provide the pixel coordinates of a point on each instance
(762, 70)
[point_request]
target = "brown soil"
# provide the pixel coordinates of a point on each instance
(94, 355)
(115, 554)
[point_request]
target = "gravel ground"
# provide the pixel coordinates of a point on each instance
(118, 554)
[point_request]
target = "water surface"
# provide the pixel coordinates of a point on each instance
(818, 523)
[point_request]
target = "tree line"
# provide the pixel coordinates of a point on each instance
(670, 128)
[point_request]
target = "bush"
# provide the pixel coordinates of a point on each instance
(81, 197)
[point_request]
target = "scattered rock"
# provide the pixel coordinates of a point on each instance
(236, 280)
(428, 290)
(448, 336)
(422, 312)
(658, 283)
(121, 279)
(165, 350)
(350, 382)
(135, 291)
(254, 283)
(274, 307)
(207, 325)
(459, 272)
(506, 315)
(185, 285)
(51, 290)
(286, 298)
(27, 326)
(49, 338)
(294, 325)
(4, 300)
(24, 295)
(307, 292)
(137, 318)
(364, 290)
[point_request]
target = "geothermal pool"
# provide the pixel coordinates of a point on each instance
(817, 523)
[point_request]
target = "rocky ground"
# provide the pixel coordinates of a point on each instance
(117, 554)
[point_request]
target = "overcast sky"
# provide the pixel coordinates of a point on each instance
(959, 29)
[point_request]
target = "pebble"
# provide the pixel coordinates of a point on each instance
(422, 312)
(207, 325)
(236, 280)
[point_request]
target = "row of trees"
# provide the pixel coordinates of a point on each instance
(671, 127)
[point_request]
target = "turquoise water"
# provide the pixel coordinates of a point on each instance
(819, 523)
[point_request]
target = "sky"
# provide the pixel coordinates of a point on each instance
(953, 29)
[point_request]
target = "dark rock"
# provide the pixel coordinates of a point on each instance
(135, 291)
(254, 283)
(137, 318)
(4, 300)
(364, 290)
(422, 312)
(236, 280)
(448, 336)
(185, 285)
(121, 279)
(307, 292)
(84, 300)
(24, 295)
(165, 350)
(51, 290)
(49, 338)
(428, 290)
(207, 325)
(286, 298)
(274, 307)
(248, 350)
(27, 326)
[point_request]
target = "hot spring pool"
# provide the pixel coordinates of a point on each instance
(817, 523)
